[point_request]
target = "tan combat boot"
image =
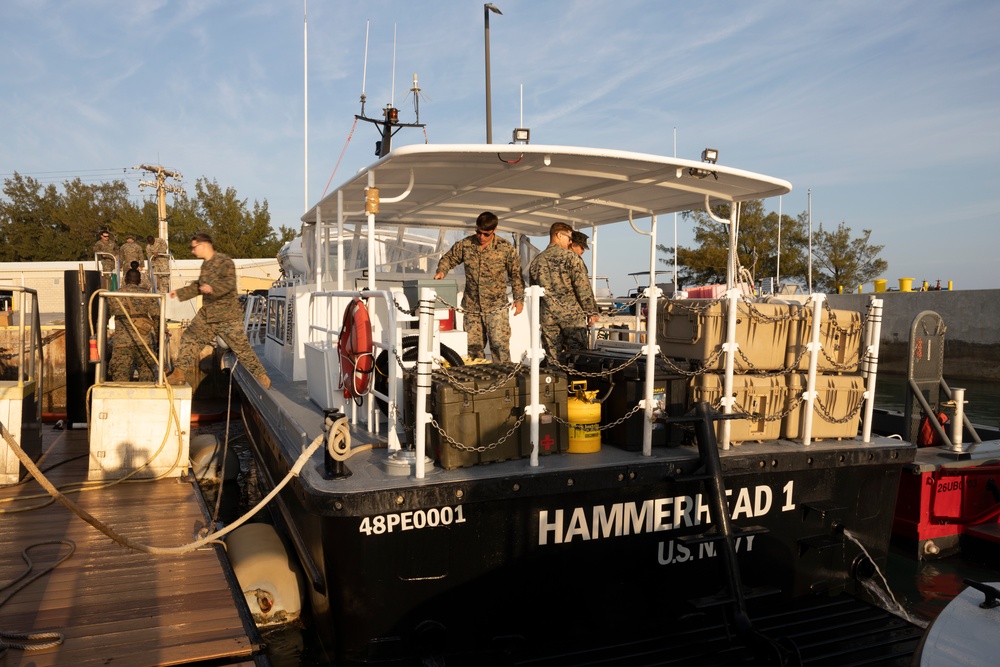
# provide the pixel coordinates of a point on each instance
(177, 377)
(265, 381)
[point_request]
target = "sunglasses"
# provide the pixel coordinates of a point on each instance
(485, 235)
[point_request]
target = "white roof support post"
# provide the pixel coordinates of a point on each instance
(870, 367)
(810, 394)
(651, 347)
(729, 347)
(534, 353)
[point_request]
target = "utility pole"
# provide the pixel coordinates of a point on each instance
(162, 188)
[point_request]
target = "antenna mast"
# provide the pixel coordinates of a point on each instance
(389, 123)
(162, 188)
(305, 75)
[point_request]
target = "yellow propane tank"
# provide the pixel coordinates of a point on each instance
(584, 414)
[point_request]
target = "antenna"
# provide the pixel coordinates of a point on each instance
(364, 69)
(416, 97)
(520, 117)
(305, 105)
(392, 93)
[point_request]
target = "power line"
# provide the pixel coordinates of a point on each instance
(69, 171)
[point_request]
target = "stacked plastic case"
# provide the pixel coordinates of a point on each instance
(479, 405)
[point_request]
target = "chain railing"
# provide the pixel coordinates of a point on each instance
(466, 385)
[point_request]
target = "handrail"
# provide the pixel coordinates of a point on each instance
(102, 332)
(332, 304)
(34, 356)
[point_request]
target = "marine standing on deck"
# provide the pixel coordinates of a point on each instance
(569, 304)
(220, 313)
(130, 252)
(129, 351)
(108, 249)
(490, 264)
(158, 252)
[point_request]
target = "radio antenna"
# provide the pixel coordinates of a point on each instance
(364, 69)
(392, 94)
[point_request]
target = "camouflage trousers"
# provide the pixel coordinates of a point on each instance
(161, 271)
(563, 337)
(201, 332)
(128, 355)
(493, 328)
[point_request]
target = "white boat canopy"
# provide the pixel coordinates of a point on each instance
(529, 187)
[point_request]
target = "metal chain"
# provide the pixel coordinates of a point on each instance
(481, 448)
(569, 370)
(617, 422)
(461, 388)
(825, 414)
(474, 313)
(706, 367)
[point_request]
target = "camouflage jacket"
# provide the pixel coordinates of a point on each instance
(108, 247)
(568, 294)
(136, 307)
(130, 252)
(157, 247)
(221, 305)
(487, 272)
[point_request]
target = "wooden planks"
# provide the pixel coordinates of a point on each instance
(113, 604)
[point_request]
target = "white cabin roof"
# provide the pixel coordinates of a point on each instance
(529, 187)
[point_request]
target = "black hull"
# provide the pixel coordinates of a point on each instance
(521, 559)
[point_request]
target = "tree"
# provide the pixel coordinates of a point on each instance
(843, 261)
(40, 223)
(756, 246)
(236, 230)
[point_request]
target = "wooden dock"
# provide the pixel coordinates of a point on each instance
(113, 605)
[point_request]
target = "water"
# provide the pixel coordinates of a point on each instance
(916, 590)
(982, 398)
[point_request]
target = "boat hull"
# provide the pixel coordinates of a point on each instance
(462, 565)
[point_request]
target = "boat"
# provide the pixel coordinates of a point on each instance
(963, 633)
(504, 544)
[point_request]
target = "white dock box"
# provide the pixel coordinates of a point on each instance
(18, 414)
(128, 426)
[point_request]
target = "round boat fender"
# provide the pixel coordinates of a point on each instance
(356, 351)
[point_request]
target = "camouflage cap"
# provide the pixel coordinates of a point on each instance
(580, 239)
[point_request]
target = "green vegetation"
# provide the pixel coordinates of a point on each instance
(42, 223)
(837, 258)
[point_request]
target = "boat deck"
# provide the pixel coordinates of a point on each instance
(114, 605)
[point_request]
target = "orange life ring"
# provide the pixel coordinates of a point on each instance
(356, 350)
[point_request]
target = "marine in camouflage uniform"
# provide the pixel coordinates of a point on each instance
(130, 252)
(569, 303)
(490, 264)
(109, 249)
(128, 352)
(220, 313)
(158, 252)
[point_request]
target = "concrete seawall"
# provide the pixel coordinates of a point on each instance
(972, 340)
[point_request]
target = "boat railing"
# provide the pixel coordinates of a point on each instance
(734, 359)
(325, 323)
(28, 344)
(101, 331)
(255, 317)
(99, 259)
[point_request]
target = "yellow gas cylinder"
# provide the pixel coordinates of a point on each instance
(584, 414)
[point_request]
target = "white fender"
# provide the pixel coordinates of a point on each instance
(268, 576)
(206, 457)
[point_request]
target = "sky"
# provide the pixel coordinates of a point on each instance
(887, 112)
